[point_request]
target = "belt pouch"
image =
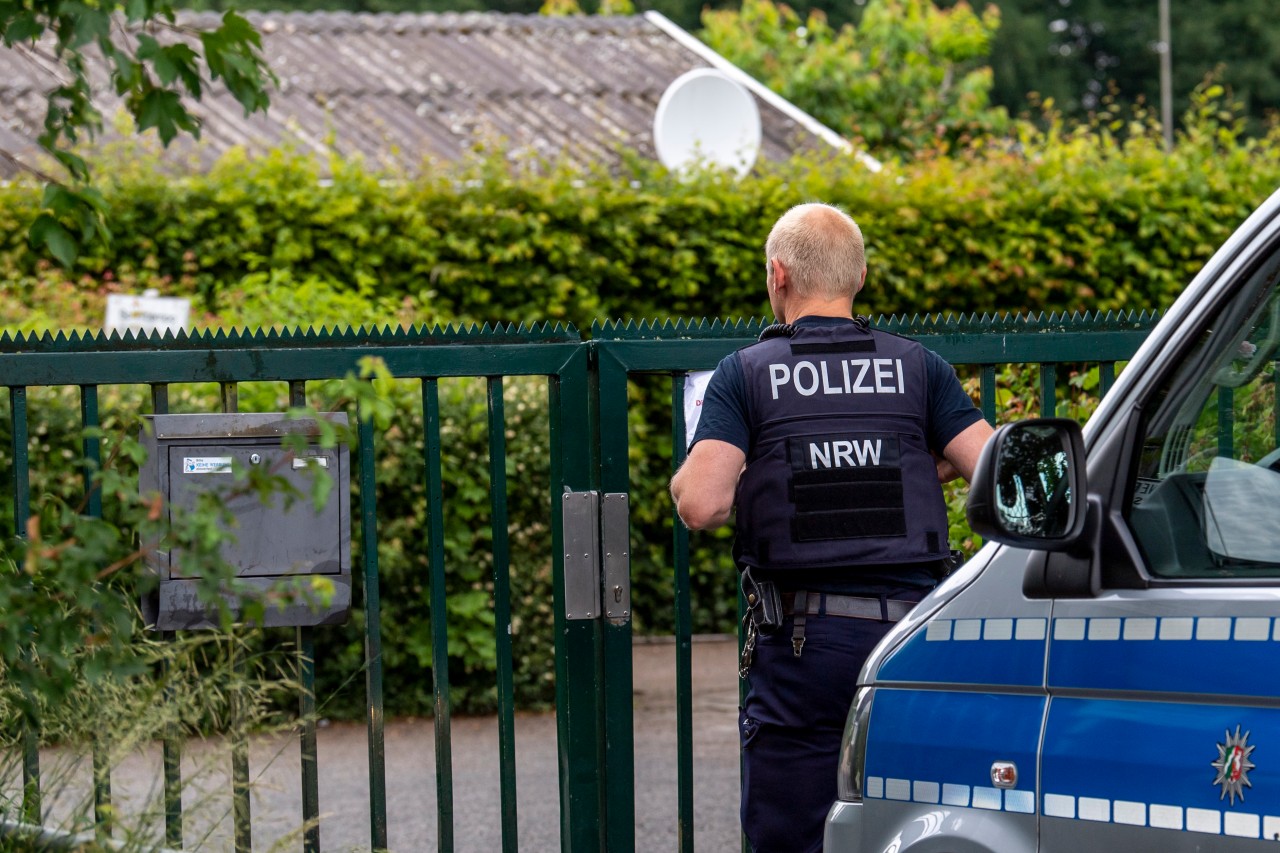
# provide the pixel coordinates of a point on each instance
(764, 603)
(769, 616)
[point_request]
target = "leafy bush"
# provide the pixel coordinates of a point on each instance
(908, 78)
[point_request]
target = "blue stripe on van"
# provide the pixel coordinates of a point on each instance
(1216, 655)
(1002, 651)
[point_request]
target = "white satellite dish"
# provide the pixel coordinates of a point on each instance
(705, 118)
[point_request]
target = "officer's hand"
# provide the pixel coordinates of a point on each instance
(946, 471)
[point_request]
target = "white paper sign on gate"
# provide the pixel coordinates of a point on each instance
(695, 388)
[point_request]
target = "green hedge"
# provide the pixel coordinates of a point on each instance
(1097, 219)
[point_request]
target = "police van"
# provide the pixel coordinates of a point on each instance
(1105, 673)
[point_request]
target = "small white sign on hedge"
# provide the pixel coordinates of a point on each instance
(146, 313)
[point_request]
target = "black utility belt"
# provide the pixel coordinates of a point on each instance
(848, 606)
(767, 606)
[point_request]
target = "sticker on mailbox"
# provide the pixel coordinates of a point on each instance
(206, 464)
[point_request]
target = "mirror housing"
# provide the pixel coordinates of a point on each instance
(1029, 487)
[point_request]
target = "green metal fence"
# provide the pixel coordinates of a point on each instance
(590, 487)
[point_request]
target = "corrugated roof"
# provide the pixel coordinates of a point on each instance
(398, 89)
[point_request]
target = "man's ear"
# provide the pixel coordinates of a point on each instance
(779, 275)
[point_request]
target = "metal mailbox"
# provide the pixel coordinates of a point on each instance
(273, 539)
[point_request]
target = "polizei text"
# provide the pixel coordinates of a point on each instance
(846, 376)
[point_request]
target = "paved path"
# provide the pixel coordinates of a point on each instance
(411, 788)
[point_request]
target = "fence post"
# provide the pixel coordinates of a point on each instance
(579, 669)
(610, 399)
(32, 811)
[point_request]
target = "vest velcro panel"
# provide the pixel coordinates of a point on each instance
(820, 491)
(848, 524)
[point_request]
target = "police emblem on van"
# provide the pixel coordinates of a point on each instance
(1233, 765)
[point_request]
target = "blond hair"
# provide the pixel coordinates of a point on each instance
(821, 248)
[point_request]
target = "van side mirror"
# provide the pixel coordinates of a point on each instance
(1029, 486)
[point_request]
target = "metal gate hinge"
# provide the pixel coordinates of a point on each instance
(597, 556)
(615, 534)
(581, 525)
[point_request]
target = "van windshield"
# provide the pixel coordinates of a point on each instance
(1206, 503)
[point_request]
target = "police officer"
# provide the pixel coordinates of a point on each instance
(832, 440)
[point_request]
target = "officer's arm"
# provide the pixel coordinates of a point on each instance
(962, 451)
(703, 488)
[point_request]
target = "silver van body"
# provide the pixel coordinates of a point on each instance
(1106, 675)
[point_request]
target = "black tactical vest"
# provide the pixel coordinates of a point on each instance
(839, 471)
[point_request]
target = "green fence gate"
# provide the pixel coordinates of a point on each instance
(588, 505)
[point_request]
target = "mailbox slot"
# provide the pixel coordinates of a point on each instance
(280, 538)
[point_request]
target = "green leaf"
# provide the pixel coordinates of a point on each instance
(236, 28)
(90, 26)
(182, 59)
(163, 110)
(126, 73)
(59, 199)
(137, 10)
(94, 198)
(231, 55)
(48, 234)
(73, 163)
(23, 27)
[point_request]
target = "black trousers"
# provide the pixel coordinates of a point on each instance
(791, 724)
